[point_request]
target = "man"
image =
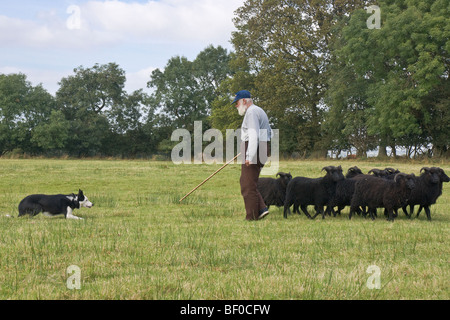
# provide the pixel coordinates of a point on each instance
(255, 135)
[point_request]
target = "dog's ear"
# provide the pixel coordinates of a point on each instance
(80, 195)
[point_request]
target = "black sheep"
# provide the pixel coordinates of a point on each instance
(391, 173)
(273, 190)
(345, 189)
(388, 173)
(428, 188)
(302, 191)
(376, 193)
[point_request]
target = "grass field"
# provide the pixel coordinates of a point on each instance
(138, 242)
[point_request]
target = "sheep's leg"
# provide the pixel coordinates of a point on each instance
(395, 213)
(427, 210)
(331, 210)
(405, 211)
(352, 209)
(390, 214)
(359, 211)
(305, 211)
(319, 210)
(411, 210)
(286, 210)
(324, 211)
(372, 213)
(364, 212)
(418, 212)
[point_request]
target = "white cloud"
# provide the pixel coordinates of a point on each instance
(21, 32)
(50, 40)
(100, 23)
(173, 20)
(138, 80)
(49, 78)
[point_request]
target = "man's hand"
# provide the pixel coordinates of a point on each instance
(247, 163)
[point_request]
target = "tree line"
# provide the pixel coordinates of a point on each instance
(327, 81)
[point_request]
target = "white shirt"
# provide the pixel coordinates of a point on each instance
(255, 128)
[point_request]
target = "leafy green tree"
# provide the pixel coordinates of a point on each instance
(404, 67)
(22, 108)
(286, 45)
(175, 93)
(185, 89)
(99, 111)
(96, 90)
(223, 115)
(52, 134)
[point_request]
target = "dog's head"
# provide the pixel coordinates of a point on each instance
(83, 200)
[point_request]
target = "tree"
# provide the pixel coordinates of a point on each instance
(98, 109)
(22, 108)
(286, 44)
(185, 89)
(223, 115)
(404, 67)
(52, 134)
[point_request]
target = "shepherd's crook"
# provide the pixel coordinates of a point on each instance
(210, 177)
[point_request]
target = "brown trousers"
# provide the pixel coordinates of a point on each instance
(249, 181)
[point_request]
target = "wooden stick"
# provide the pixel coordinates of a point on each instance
(210, 177)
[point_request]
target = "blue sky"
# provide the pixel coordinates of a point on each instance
(46, 39)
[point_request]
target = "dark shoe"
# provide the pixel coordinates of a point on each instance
(263, 213)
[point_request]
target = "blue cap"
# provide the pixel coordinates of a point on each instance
(244, 94)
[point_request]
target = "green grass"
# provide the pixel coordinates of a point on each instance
(138, 242)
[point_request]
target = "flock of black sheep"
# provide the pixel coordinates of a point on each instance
(388, 189)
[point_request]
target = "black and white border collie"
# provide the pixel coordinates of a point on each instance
(54, 205)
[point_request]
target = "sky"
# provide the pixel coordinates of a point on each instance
(46, 40)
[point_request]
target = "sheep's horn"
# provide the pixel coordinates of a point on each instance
(354, 169)
(425, 169)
